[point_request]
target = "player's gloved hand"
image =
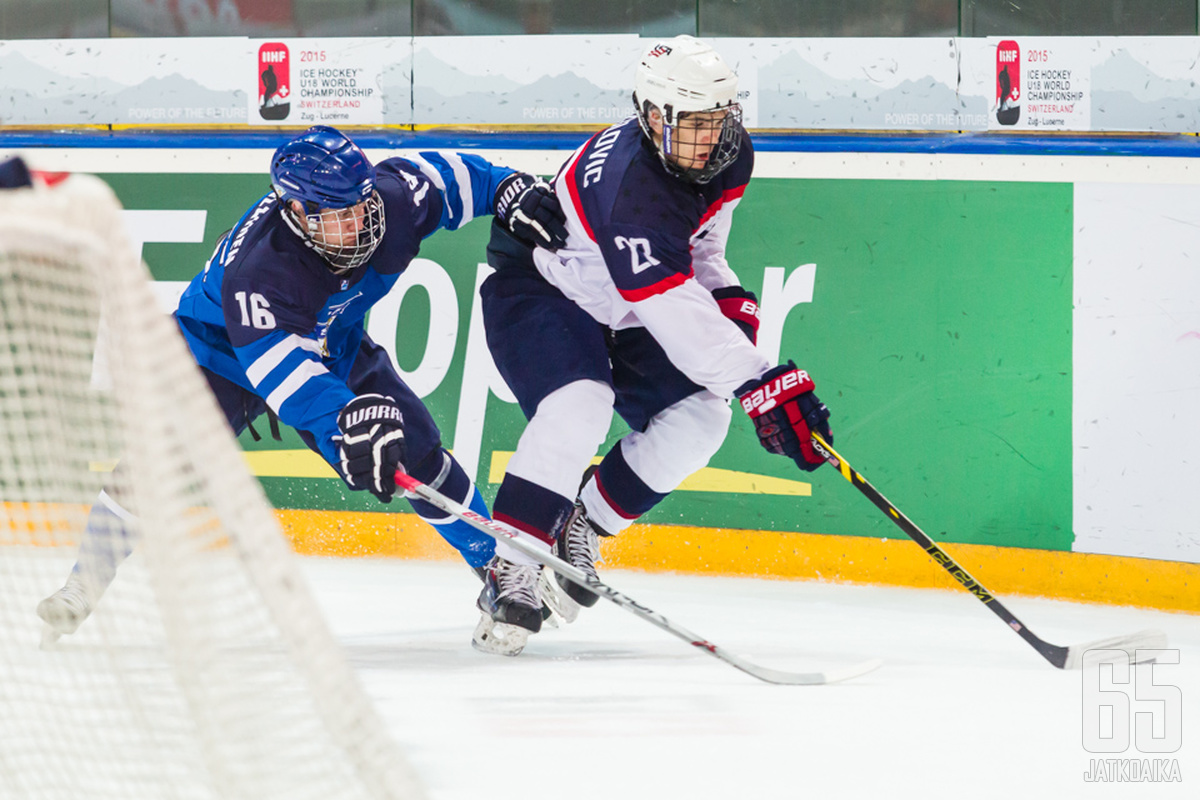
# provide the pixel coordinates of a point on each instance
(527, 207)
(14, 174)
(785, 412)
(740, 306)
(371, 446)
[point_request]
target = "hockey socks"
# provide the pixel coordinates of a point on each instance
(450, 479)
(531, 508)
(615, 496)
(108, 540)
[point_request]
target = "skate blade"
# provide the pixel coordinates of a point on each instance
(557, 600)
(498, 638)
(60, 618)
(50, 638)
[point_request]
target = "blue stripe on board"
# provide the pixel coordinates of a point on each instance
(1185, 146)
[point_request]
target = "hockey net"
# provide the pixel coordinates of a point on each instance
(206, 669)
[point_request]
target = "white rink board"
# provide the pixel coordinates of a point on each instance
(1137, 370)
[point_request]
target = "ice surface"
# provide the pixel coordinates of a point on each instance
(614, 709)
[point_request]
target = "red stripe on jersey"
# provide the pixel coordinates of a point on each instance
(669, 282)
(49, 178)
(726, 196)
(524, 527)
(573, 191)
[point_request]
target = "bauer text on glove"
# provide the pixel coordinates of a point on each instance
(527, 206)
(371, 447)
(785, 413)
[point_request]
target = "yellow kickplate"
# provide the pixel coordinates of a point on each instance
(708, 479)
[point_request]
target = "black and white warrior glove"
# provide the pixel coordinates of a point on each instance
(785, 412)
(527, 206)
(372, 444)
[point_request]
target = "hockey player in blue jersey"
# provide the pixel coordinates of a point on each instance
(275, 321)
(640, 312)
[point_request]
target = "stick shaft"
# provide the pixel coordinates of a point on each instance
(1053, 653)
(569, 571)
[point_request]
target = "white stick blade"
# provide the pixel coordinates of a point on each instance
(835, 675)
(1078, 655)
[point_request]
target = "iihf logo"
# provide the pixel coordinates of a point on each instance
(1008, 83)
(274, 81)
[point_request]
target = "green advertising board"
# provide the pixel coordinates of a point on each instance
(938, 333)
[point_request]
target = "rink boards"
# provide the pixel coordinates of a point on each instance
(1009, 345)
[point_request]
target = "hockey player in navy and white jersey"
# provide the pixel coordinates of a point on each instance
(275, 321)
(639, 312)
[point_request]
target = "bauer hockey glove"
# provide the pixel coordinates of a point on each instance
(371, 447)
(527, 206)
(785, 412)
(740, 306)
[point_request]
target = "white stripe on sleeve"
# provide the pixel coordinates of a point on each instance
(431, 172)
(271, 359)
(463, 177)
(292, 383)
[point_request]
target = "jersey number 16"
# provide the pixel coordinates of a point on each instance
(255, 313)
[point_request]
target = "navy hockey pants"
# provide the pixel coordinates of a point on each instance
(542, 341)
(371, 373)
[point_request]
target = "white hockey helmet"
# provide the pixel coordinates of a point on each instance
(682, 75)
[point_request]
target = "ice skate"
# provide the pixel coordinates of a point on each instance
(549, 589)
(65, 610)
(579, 545)
(511, 603)
(556, 605)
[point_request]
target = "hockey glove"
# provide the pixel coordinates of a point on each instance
(785, 412)
(527, 206)
(741, 307)
(372, 444)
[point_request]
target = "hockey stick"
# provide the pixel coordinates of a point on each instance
(578, 576)
(1072, 657)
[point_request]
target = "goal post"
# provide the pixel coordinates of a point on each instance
(206, 669)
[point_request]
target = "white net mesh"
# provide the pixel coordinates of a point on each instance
(206, 669)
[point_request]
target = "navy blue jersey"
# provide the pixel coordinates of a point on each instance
(268, 313)
(646, 248)
(643, 220)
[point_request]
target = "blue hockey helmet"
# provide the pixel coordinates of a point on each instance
(326, 172)
(322, 168)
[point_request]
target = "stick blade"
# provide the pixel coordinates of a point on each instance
(1082, 655)
(782, 678)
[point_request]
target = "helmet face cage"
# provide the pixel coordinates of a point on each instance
(716, 132)
(334, 184)
(345, 237)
